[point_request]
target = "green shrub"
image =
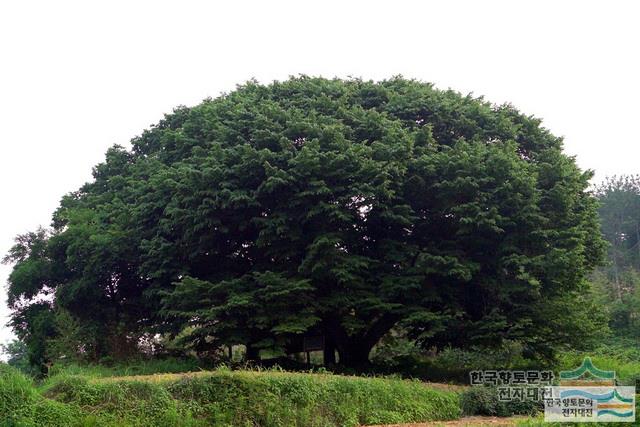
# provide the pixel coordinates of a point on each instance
(450, 365)
(21, 405)
(16, 390)
(484, 400)
(54, 414)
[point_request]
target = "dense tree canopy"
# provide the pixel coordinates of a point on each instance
(620, 215)
(619, 279)
(322, 207)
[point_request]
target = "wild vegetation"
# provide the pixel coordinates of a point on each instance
(221, 397)
(414, 231)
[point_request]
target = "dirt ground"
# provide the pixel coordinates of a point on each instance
(467, 421)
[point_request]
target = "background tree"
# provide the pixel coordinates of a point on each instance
(17, 353)
(619, 280)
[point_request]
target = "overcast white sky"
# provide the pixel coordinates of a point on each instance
(77, 77)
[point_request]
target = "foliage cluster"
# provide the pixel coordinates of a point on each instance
(341, 208)
(398, 354)
(484, 400)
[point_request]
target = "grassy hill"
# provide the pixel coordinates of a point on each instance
(219, 397)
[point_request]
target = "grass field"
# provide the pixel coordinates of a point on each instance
(178, 393)
(220, 397)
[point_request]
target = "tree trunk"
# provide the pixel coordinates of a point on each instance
(354, 350)
(329, 352)
(355, 355)
(253, 353)
(638, 241)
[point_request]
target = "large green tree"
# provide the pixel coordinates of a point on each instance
(332, 207)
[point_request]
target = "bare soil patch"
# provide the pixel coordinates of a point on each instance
(466, 421)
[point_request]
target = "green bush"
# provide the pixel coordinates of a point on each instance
(16, 390)
(484, 400)
(450, 365)
(16, 395)
(21, 405)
